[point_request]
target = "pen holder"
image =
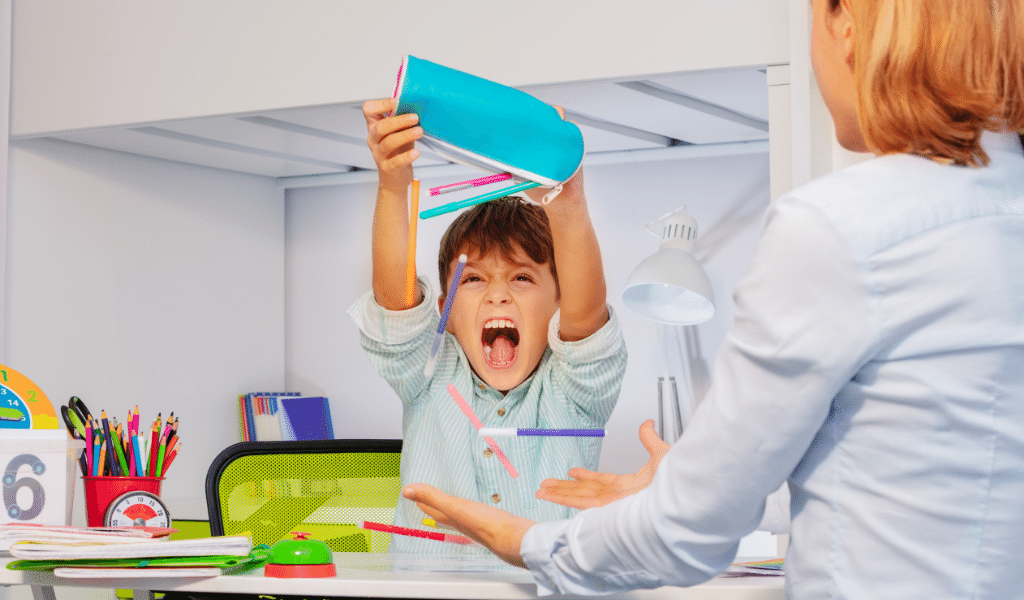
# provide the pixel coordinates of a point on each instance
(100, 492)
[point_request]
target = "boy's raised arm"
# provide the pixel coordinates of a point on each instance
(577, 261)
(391, 141)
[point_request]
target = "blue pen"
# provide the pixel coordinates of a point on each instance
(453, 206)
(512, 431)
(428, 369)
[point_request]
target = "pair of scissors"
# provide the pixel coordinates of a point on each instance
(80, 409)
(73, 423)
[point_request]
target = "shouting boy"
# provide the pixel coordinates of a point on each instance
(530, 341)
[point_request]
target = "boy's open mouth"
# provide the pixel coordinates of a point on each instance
(500, 339)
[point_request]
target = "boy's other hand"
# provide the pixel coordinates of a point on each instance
(391, 141)
(588, 489)
(573, 188)
(501, 532)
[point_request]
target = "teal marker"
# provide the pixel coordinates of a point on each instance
(453, 206)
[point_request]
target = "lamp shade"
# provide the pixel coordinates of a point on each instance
(670, 286)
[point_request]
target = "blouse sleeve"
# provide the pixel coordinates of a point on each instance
(806, 320)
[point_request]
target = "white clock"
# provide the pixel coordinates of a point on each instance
(137, 509)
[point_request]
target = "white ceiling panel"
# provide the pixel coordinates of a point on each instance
(745, 91)
(615, 116)
(344, 120)
(127, 140)
(614, 103)
(245, 133)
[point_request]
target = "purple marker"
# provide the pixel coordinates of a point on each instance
(428, 369)
(512, 431)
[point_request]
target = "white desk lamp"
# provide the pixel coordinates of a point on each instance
(670, 286)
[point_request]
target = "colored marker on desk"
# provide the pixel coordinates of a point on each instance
(512, 432)
(429, 535)
(428, 369)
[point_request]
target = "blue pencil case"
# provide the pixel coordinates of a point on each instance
(475, 121)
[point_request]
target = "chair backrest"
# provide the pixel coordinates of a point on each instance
(323, 487)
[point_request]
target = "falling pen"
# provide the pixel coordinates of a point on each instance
(512, 431)
(428, 369)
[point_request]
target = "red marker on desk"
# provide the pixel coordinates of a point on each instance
(429, 535)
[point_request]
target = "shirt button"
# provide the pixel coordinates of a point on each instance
(488, 452)
(501, 412)
(482, 386)
(495, 498)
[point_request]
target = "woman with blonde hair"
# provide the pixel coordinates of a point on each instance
(876, 363)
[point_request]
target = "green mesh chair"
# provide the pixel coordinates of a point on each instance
(324, 487)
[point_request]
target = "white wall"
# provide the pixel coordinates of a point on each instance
(328, 267)
(133, 280)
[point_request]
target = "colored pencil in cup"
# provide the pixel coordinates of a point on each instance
(454, 393)
(154, 442)
(130, 446)
(96, 443)
(512, 432)
(110, 443)
(89, 439)
(410, 265)
(428, 369)
(160, 457)
(102, 457)
(170, 458)
(429, 535)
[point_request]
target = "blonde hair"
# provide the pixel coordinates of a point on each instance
(933, 74)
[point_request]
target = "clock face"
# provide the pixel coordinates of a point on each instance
(137, 509)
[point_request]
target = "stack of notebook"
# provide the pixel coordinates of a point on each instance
(110, 552)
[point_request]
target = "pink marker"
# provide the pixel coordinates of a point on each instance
(464, 185)
(476, 423)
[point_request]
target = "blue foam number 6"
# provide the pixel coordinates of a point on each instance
(12, 484)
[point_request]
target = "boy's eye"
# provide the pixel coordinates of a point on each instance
(523, 278)
(468, 278)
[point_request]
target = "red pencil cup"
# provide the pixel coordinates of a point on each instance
(101, 491)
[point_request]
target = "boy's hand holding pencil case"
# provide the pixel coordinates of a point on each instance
(474, 121)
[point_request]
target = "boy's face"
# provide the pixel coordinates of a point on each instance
(500, 315)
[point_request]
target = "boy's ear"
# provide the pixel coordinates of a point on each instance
(440, 304)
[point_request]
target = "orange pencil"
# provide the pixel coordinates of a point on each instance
(103, 457)
(410, 267)
(171, 443)
(170, 459)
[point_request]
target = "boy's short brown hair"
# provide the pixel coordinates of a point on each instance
(504, 225)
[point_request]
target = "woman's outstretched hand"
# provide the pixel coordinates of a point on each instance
(588, 489)
(501, 532)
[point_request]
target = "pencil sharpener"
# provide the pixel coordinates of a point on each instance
(300, 558)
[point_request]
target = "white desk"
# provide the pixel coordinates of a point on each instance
(366, 575)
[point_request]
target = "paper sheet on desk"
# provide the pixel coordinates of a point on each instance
(386, 562)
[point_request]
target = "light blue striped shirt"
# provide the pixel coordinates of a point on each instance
(576, 385)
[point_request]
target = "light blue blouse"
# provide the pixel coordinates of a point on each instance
(877, 363)
(576, 385)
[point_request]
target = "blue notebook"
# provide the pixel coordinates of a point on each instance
(308, 417)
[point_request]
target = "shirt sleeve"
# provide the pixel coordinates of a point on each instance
(590, 370)
(397, 342)
(805, 322)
